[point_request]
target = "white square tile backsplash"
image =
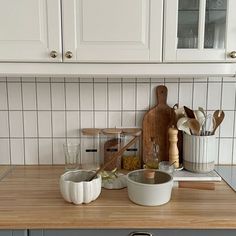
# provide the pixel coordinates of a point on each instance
(14, 96)
(43, 96)
(4, 127)
(37, 115)
(29, 96)
(30, 124)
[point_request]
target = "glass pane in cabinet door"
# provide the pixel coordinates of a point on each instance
(215, 24)
(188, 18)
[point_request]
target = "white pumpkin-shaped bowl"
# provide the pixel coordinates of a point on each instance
(75, 189)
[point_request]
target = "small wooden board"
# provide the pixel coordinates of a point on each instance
(155, 126)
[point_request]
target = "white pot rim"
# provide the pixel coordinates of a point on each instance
(150, 185)
(63, 176)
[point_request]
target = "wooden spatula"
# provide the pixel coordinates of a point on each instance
(189, 112)
(219, 116)
(194, 126)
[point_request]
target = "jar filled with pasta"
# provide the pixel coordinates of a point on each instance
(131, 159)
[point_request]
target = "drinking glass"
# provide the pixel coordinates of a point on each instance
(71, 151)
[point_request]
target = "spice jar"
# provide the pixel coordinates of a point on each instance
(90, 149)
(131, 159)
(114, 141)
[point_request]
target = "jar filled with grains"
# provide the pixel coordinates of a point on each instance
(131, 159)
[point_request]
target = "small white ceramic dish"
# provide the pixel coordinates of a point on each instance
(75, 189)
(118, 182)
(149, 190)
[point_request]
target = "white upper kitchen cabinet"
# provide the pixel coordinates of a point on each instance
(30, 30)
(112, 30)
(200, 31)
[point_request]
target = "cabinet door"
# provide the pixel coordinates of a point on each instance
(112, 30)
(30, 30)
(200, 30)
(130, 232)
(13, 233)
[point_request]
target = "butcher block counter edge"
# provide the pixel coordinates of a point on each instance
(30, 199)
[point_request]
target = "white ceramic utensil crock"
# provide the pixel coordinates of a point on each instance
(199, 153)
(149, 191)
(75, 189)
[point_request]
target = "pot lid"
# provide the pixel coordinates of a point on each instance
(147, 176)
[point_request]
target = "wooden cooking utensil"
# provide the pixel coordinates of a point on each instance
(155, 126)
(197, 185)
(219, 116)
(115, 156)
(194, 126)
(189, 112)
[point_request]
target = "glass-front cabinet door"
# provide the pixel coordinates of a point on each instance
(200, 30)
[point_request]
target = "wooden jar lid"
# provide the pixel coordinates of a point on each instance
(91, 131)
(132, 131)
(112, 131)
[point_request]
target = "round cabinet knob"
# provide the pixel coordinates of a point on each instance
(233, 54)
(68, 54)
(53, 54)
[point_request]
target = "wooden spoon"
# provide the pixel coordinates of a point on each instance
(189, 112)
(194, 126)
(115, 156)
(219, 116)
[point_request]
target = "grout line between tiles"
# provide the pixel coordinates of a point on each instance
(178, 90)
(65, 104)
(9, 128)
(221, 96)
(119, 110)
(207, 94)
(23, 118)
(50, 86)
(192, 93)
(37, 118)
(150, 93)
(94, 116)
(80, 120)
(108, 97)
(121, 101)
(136, 100)
(233, 146)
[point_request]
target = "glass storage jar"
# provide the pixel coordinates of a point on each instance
(91, 156)
(113, 143)
(131, 158)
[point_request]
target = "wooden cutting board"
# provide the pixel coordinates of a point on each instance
(155, 126)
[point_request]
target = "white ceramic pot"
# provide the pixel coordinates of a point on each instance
(149, 191)
(75, 189)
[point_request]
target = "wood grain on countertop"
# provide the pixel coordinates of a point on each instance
(30, 198)
(4, 169)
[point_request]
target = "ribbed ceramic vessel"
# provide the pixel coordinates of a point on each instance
(199, 153)
(75, 189)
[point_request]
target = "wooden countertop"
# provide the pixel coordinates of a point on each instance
(4, 170)
(30, 199)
